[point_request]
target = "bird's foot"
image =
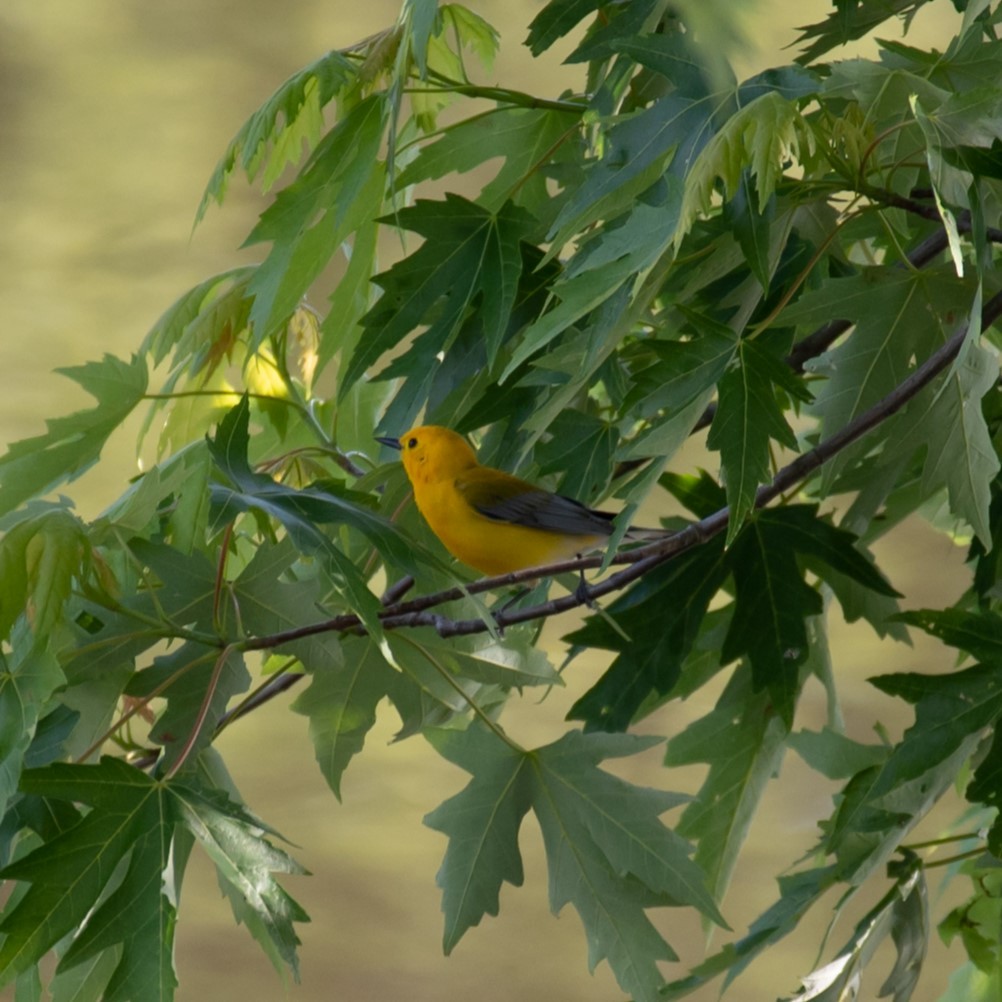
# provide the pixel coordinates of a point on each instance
(583, 593)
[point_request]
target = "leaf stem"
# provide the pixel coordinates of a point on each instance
(959, 858)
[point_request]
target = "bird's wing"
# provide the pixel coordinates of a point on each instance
(504, 498)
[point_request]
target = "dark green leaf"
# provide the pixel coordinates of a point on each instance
(301, 512)
(700, 494)
(470, 256)
(831, 547)
(656, 624)
(882, 803)
(672, 55)
(978, 160)
(673, 373)
(600, 832)
(751, 227)
(986, 788)
(748, 417)
(69, 874)
(850, 21)
(979, 633)
(772, 603)
(582, 447)
(555, 20)
(898, 314)
(140, 916)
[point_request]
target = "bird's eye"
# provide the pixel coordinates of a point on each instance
(411, 443)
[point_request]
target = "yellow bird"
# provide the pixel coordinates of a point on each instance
(491, 520)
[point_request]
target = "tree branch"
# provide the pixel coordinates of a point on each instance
(416, 612)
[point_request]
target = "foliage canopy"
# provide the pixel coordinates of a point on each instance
(803, 262)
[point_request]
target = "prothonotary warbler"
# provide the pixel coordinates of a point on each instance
(491, 520)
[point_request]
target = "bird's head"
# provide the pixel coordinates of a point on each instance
(430, 452)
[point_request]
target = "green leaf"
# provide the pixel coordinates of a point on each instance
(743, 743)
(757, 140)
(72, 444)
(898, 315)
(173, 493)
(140, 916)
(968, 982)
(676, 379)
(340, 702)
(339, 189)
(638, 151)
(213, 311)
(298, 102)
(833, 754)
(986, 788)
(950, 426)
(301, 513)
(798, 892)
(607, 851)
(977, 160)
(525, 137)
(31, 676)
(512, 664)
(902, 912)
(751, 225)
(578, 296)
(470, 257)
(610, 856)
(482, 824)
(675, 56)
(555, 20)
(635, 239)
(246, 862)
(40, 558)
(274, 595)
(86, 981)
(827, 546)
(882, 803)
(198, 684)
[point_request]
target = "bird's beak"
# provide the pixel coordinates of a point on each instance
(393, 443)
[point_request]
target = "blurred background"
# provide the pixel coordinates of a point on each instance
(113, 114)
